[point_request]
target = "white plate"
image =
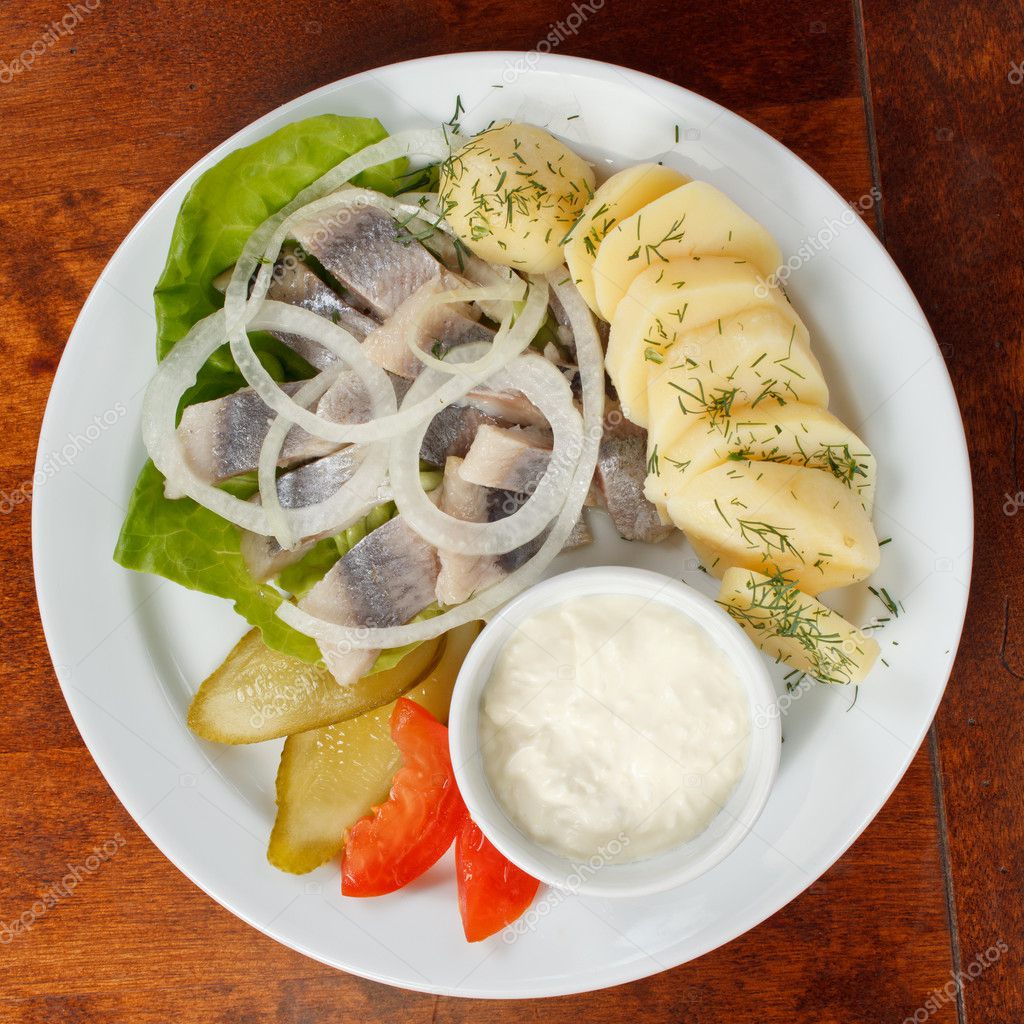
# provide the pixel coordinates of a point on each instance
(129, 650)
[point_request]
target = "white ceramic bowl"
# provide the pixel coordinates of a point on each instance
(666, 870)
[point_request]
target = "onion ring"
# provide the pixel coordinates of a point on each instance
(278, 316)
(177, 372)
(544, 385)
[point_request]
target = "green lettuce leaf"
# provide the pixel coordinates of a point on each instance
(393, 655)
(193, 546)
(179, 539)
(300, 577)
(229, 201)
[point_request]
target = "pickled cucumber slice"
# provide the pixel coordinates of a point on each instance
(330, 778)
(260, 694)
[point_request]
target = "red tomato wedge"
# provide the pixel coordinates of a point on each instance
(493, 892)
(411, 831)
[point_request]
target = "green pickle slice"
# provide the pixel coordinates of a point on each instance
(261, 694)
(329, 778)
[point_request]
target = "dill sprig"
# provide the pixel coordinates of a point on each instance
(652, 250)
(770, 538)
(716, 406)
(891, 606)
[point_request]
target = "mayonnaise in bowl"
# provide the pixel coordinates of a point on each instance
(613, 715)
(604, 732)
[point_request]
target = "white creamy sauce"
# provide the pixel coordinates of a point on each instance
(613, 726)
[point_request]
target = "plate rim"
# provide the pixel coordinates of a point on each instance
(599, 977)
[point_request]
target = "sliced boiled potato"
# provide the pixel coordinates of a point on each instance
(795, 433)
(667, 303)
(330, 778)
(717, 379)
(776, 518)
(692, 220)
(792, 627)
(512, 193)
(259, 694)
(619, 197)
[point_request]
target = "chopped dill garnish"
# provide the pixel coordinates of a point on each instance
(891, 606)
(775, 607)
(682, 467)
(772, 538)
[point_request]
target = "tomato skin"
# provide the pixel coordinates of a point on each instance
(493, 892)
(413, 829)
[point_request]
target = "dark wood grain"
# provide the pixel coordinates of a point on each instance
(949, 111)
(98, 127)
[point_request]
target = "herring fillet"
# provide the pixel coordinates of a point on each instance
(431, 327)
(507, 458)
(222, 438)
(620, 476)
(462, 575)
(298, 488)
(367, 252)
(389, 577)
(294, 283)
(451, 432)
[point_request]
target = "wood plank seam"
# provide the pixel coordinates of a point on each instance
(933, 748)
(860, 37)
(947, 871)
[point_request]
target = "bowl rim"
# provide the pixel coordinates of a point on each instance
(666, 870)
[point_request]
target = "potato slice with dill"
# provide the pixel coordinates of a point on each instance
(797, 629)
(259, 694)
(774, 518)
(686, 312)
(728, 372)
(692, 220)
(621, 196)
(796, 433)
(330, 778)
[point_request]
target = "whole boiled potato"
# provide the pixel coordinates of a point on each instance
(512, 194)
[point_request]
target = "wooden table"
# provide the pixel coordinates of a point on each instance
(923, 100)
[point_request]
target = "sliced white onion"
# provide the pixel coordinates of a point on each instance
(591, 367)
(543, 384)
(265, 242)
(270, 452)
(177, 372)
(505, 293)
(278, 316)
